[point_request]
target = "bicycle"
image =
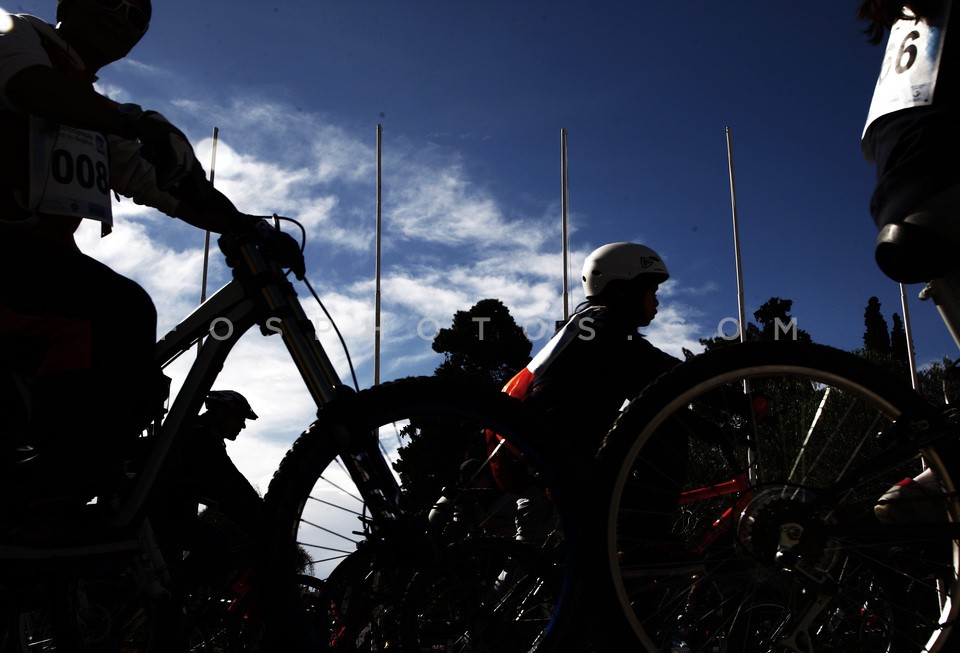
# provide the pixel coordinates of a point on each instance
(341, 461)
(778, 546)
(367, 602)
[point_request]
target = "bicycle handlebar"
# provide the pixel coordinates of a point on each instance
(276, 245)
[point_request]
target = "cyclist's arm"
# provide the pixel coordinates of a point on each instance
(645, 364)
(203, 219)
(133, 176)
(232, 492)
(48, 93)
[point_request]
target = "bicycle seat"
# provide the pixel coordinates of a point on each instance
(912, 253)
(924, 245)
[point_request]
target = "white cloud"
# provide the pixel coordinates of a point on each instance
(442, 205)
(448, 243)
(672, 331)
(142, 68)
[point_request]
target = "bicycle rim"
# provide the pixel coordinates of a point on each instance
(794, 557)
(321, 519)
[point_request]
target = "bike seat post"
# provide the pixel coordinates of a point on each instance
(945, 293)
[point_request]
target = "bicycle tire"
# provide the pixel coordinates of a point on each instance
(834, 434)
(309, 468)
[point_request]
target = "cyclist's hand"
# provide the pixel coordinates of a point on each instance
(279, 246)
(164, 145)
(286, 251)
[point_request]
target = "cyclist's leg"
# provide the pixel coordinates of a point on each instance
(916, 204)
(97, 379)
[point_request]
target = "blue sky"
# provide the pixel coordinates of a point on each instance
(472, 95)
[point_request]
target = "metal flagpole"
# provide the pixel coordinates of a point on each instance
(751, 454)
(563, 220)
(376, 325)
(736, 239)
(206, 237)
(908, 333)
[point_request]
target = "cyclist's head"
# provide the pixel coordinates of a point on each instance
(625, 277)
(618, 263)
(230, 400)
(229, 410)
(103, 31)
(137, 13)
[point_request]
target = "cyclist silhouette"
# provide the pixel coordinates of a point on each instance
(83, 334)
(202, 473)
(206, 549)
(596, 362)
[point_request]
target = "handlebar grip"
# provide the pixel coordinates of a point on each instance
(275, 245)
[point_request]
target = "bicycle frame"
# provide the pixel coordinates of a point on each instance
(724, 522)
(741, 484)
(945, 293)
(225, 317)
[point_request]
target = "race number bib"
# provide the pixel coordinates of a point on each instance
(69, 172)
(908, 76)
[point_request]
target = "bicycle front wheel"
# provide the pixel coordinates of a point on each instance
(325, 524)
(752, 508)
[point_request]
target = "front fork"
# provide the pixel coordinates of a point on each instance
(360, 452)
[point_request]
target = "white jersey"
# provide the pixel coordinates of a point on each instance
(71, 171)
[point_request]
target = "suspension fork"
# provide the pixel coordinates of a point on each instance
(360, 453)
(376, 483)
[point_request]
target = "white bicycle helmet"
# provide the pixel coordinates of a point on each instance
(620, 261)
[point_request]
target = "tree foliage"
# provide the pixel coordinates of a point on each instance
(876, 336)
(898, 340)
(483, 347)
(773, 322)
(888, 349)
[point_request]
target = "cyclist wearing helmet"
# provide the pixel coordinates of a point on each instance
(212, 547)
(227, 412)
(90, 332)
(596, 361)
(201, 469)
(912, 132)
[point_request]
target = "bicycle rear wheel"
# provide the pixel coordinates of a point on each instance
(777, 546)
(322, 523)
